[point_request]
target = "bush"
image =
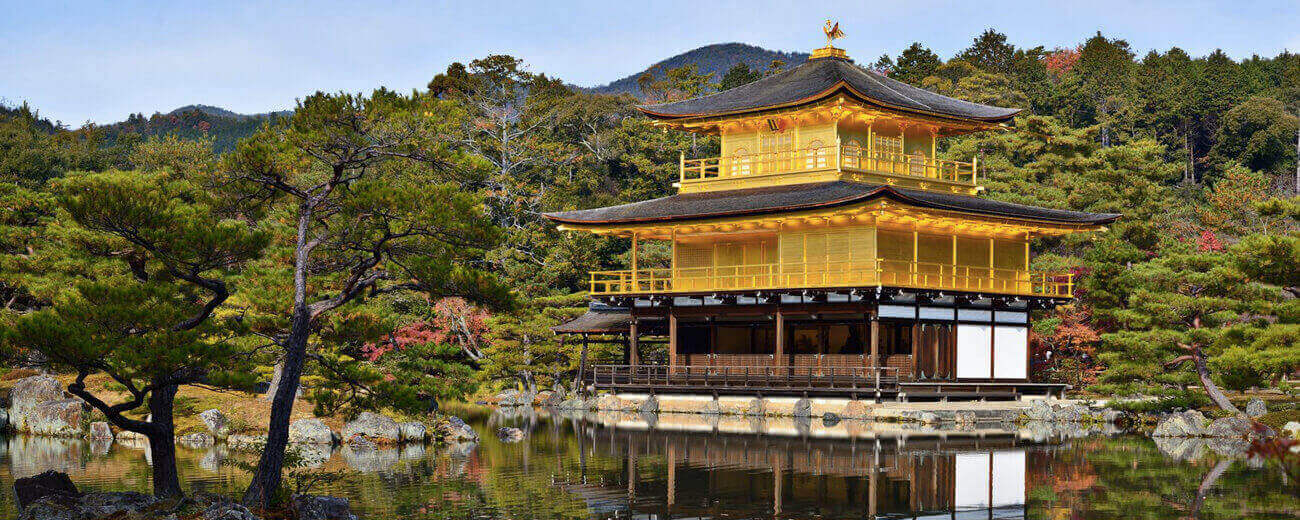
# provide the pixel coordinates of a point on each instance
(1166, 404)
(1279, 418)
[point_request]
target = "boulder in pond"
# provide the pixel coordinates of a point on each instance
(803, 408)
(1070, 413)
(711, 407)
(514, 397)
(197, 440)
(856, 409)
(61, 418)
(246, 442)
(650, 405)
(576, 403)
(317, 507)
(28, 393)
(228, 511)
(454, 430)
(1185, 424)
(612, 403)
(757, 407)
(4, 420)
(1238, 427)
(1256, 407)
(216, 422)
(1040, 410)
(965, 419)
(310, 431)
(510, 434)
(413, 431)
(50, 483)
(100, 431)
(91, 505)
(379, 429)
(359, 442)
(1292, 429)
(830, 419)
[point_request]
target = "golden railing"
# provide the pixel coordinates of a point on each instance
(827, 274)
(838, 157)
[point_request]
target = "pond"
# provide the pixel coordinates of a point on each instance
(619, 466)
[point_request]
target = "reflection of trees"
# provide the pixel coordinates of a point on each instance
(1129, 478)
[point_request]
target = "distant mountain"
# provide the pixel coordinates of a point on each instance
(224, 127)
(716, 59)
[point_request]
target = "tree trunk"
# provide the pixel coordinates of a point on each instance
(276, 378)
(162, 442)
(270, 467)
(1211, 389)
(266, 480)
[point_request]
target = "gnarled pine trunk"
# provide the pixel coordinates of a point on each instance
(162, 442)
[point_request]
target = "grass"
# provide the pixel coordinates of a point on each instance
(1279, 418)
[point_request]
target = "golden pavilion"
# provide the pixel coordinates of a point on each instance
(827, 250)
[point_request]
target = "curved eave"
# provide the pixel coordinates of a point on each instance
(881, 192)
(823, 95)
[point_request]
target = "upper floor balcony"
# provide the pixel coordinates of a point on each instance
(831, 273)
(832, 162)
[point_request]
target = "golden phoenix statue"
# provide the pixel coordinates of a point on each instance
(833, 32)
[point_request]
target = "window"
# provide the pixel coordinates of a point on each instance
(817, 155)
(853, 153)
(889, 144)
(740, 162)
(895, 339)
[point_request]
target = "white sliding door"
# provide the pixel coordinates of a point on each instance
(973, 351)
(1010, 352)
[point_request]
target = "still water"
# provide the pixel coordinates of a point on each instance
(620, 466)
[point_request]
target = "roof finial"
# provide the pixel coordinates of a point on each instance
(833, 32)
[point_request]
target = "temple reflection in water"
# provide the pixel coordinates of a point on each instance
(684, 474)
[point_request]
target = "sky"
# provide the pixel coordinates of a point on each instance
(80, 62)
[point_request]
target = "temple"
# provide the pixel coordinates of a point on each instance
(827, 249)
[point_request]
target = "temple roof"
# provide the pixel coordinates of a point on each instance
(599, 319)
(819, 79)
(798, 197)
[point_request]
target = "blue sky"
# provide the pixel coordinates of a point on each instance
(100, 61)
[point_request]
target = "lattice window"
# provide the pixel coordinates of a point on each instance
(885, 144)
(740, 162)
(818, 155)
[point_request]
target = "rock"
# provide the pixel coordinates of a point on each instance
(611, 402)
(27, 394)
(4, 420)
(757, 408)
(1040, 410)
(1070, 413)
(1238, 427)
(246, 442)
(413, 431)
(377, 428)
(1256, 407)
(1111, 416)
(803, 408)
(100, 431)
(830, 419)
(454, 430)
(548, 398)
(510, 434)
(856, 410)
(1292, 429)
(197, 440)
(310, 431)
(315, 507)
(965, 419)
(711, 407)
(90, 506)
(575, 403)
(359, 442)
(650, 405)
(228, 511)
(1186, 424)
(216, 422)
(50, 483)
(514, 398)
(57, 419)
(928, 418)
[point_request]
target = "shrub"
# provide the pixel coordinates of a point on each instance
(1279, 418)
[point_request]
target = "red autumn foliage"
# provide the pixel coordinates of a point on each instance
(454, 322)
(1068, 353)
(1209, 242)
(1060, 62)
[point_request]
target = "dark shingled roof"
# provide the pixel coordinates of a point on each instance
(599, 319)
(779, 199)
(820, 78)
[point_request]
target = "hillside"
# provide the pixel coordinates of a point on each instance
(716, 59)
(224, 127)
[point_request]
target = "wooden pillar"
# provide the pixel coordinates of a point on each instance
(778, 471)
(633, 354)
(875, 340)
(871, 485)
(636, 286)
(672, 340)
(672, 475)
(916, 347)
(779, 358)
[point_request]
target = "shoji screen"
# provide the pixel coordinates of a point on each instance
(1011, 352)
(973, 352)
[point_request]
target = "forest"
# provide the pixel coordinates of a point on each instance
(386, 250)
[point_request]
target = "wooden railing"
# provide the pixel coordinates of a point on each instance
(837, 157)
(827, 274)
(760, 377)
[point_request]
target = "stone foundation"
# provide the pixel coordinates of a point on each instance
(815, 407)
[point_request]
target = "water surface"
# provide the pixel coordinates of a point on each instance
(618, 466)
